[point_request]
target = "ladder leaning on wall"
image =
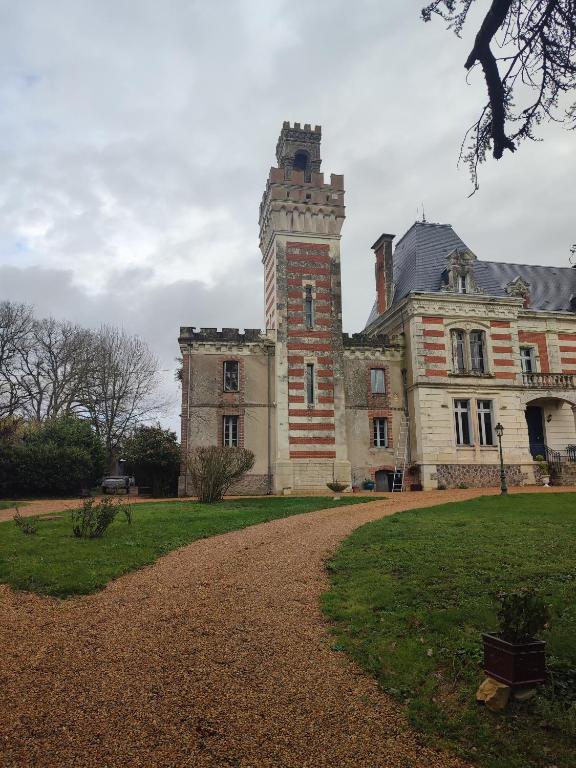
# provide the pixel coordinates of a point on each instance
(401, 456)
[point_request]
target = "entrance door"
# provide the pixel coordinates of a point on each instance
(535, 421)
(381, 478)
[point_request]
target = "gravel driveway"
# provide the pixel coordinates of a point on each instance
(217, 655)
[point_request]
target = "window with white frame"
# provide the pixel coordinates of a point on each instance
(308, 307)
(458, 351)
(380, 432)
(462, 284)
(527, 360)
(462, 422)
(377, 381)
(485, 422)
(478, 351)
(231, 376)
(230, 431)
(310, 383)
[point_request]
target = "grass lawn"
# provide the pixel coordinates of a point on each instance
(9, 504)
(411, 594)
(53, 562)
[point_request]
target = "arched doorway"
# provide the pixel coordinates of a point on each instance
(551, 423)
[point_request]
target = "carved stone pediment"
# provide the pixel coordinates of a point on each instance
(518, 287)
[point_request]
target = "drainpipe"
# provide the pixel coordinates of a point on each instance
(188, 419)
(268, 410)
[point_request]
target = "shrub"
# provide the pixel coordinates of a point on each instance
(522, 615)
(213, 470)
(91, 520)
(441, 486)
(153, 456)
(462, 486)
(28, 525)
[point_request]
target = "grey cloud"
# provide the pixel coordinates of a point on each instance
(138, 136)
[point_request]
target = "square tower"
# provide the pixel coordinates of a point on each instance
(300, 221)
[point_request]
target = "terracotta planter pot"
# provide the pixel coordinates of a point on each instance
(514, 664)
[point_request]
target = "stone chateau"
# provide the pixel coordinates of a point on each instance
(452, 346)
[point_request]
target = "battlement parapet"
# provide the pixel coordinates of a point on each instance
(189, 334)
(287, 176)
(354, 340)
(297, 127)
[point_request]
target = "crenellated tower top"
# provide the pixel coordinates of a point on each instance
(296, 200)
(299, 149)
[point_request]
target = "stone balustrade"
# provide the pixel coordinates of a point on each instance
(549, 380)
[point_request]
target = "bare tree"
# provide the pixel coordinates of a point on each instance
(16, 321)
(54, 366)
(537, 40)
(120, 388)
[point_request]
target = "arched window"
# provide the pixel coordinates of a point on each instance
(469, 352)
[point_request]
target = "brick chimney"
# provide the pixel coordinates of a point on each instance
(384, 272)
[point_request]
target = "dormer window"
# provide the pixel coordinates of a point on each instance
(459, 274)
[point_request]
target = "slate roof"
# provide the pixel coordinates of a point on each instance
(420, 260)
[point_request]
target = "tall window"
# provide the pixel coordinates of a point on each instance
(462, 422)
(309, 307)
(485, 422)
(231, 375)
(527, 360)
(462, 284)
(477, 352)
(381, 433)
(469, 352)
(377, 381)
(459, 351)
(310, 383)
(230, 431)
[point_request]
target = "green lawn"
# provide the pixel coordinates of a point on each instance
(411, 594)
(9, 504)
(53, 562)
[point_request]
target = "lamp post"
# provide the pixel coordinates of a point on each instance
(503, 486)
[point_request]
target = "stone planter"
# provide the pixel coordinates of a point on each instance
(518, 665)
(545, 480)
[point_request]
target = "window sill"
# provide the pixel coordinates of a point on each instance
(471, 375)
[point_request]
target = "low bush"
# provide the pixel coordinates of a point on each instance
(213, 470)
(28, 525)
(91, 520)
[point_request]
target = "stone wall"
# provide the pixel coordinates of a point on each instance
(566, 476)
(478, 476)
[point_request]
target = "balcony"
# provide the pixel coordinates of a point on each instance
(549, 380)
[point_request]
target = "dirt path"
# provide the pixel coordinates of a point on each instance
(216, 656)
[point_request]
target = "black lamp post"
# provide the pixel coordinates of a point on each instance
(503, 486)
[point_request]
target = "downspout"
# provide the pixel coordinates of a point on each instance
(188, 419)
(269, 408)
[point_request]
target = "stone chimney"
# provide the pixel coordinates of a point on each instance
(384, 272)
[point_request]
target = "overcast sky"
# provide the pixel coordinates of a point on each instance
(136, 137)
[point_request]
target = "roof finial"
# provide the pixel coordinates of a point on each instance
(423, 214)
